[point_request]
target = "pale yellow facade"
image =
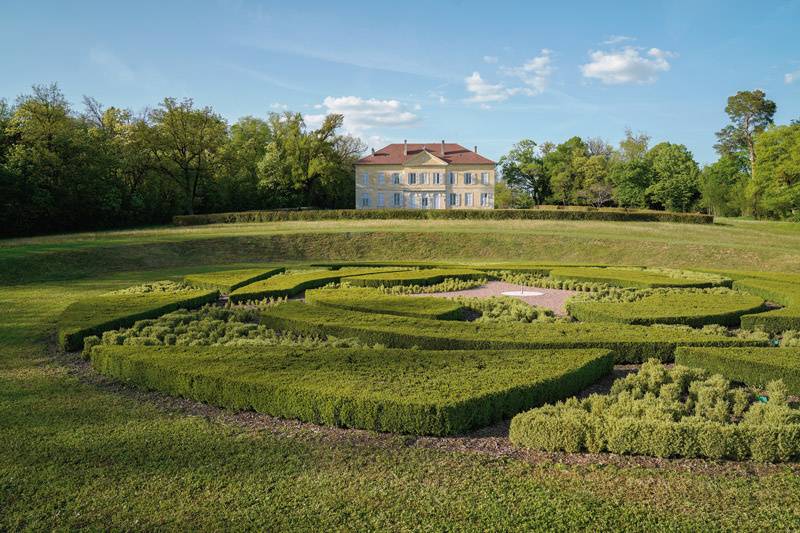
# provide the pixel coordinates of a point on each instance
(425, 182)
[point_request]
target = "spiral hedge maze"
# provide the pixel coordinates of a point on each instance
(343, 344)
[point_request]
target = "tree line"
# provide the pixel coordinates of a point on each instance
(757, 173)
(66, 170)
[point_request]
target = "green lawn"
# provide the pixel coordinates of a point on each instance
(78, 455)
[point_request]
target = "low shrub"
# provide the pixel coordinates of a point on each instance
(678, 412)
(448, 285)
(630, 343)
(405, 391)
(539, 213)
(504, 309)
(230, 280)
(694, 308)
(293, 283)
(639, 277)
(429, 276)
(93, 316)
(753, 366)
(373, 301)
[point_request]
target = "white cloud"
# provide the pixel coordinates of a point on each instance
(535, 73)
(363, 114)
(278, 106)
(617, 39)
(490, 59)
(484, 92)
(627, 65)
(112, 64)
(791, 77)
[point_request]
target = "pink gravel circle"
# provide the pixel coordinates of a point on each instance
(553, 299)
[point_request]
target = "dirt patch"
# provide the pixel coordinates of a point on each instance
(553, 299)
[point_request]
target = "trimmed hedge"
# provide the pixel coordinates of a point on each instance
(539, 213)
(430, 276)
(286, 285)
(631, 344)
(631, 277)
(230, 280)
(753, 366)
(372, 301)
(786, 293)
(694, 309)
(93, 316)
(416, 392)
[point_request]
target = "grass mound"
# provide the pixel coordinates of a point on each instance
(417, 392)
(680, 412)
(373, 301)
(93, 316)
(629, 343)
(429, 276)
(753, 366)
(230, 280)
(686, 307)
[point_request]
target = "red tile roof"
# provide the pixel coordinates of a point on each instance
(454, 154)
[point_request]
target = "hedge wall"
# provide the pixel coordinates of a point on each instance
(630, 344)
(632, 277)
(786, 293)
(542, 213)
(93, 316)
(416, 392)
(294, 283)
(429, 276)
(694, 309)
(753, 366)
(372, 301)
(230, 280)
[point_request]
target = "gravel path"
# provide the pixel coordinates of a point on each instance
(550, 298)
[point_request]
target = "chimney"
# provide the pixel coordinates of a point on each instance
(442, 146)
(405, 147)
(476, 149)
(373, 151)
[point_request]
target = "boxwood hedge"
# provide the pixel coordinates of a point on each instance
(753, 366)
(637, 277)
(540, 213)
(372, 301)
(690, 308)
(429, 276)
(630, 344)
(405, 391)
(785, 292)
(230, 280)
(291, 284)
(93, 316)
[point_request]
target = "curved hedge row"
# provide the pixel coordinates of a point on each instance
(230, 280)
(635, 277)
(540, 213)
(430, 276)
(285, 285)
(630, 344)
(405, 391)
(372, 301)
(753, 366)
(694, 309)
(786, 293)
(93, 316)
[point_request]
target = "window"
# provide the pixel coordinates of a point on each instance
(380, 199)
(453, 199)
(397, 200)
(422, 177)
(436, 178)
(484, 199)
(425, 201)
(468, 199)
(485, 178)
(412, 178)
(467, 178)
(395, 178)
(365, 178)
(381, 178)
(365, 200)
(452, 178)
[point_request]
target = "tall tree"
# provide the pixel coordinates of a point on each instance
(774, 190)
(185, 143)
(565, 165)
(722, 185)
(522, 169)
(750, 113)
(676, 183)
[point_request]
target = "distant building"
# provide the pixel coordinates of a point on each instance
(425, 176)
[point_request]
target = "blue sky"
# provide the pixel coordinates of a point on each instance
(485, 73)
